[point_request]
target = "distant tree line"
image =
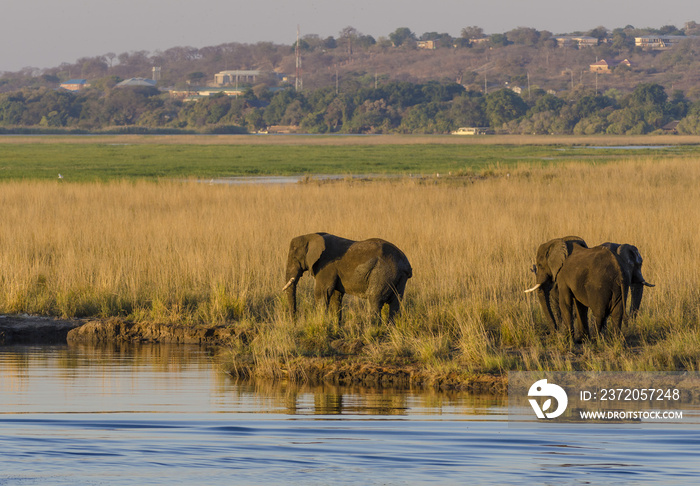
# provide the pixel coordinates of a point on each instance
(390, 107)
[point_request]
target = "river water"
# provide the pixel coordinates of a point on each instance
(168, 415)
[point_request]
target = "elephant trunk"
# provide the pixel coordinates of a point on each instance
(637, 288)
(636, 293)
(293, 276)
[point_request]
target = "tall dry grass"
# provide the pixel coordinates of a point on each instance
(197, 253)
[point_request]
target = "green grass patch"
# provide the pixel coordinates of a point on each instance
(81, 162)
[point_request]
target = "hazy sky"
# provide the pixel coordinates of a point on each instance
(45, 33)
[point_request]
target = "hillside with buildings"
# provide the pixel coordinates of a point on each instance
(523, 57)
(432, 83)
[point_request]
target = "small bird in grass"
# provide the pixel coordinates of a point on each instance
(60, 176)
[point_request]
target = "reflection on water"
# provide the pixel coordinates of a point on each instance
(167, 415)
(161, 378)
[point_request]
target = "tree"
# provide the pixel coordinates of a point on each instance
(670, 30)
(274, 112)
(646, 94)
(678, 107)
(330, 42)
(523, 35)
(92, 66)
(442, 40)
(468, 110)
(548, 102)
(503, 106)
(347, 38)
(373, 117)
(692, 28)
(294, 113)
(254, 121)
(600, 33)
(11, 109)
(499, 40)
(587, 105)
(473, 32)
(196, 77)
(335, 114)
(401, 36)
(620, 40)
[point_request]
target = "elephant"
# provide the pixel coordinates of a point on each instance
(372, 269)
(550, 256)
(591, 278)
(630, 261)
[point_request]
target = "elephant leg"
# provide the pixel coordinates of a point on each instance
(617, 314)
(599, 324)
(394, 306)
(565, 306)
(376, 303)
(396, 297)
(582, 320)
(321, 296)
(336, 303)
(554, 305)
(323, 291)
(547, 295)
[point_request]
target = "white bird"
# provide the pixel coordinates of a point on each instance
(60, 176)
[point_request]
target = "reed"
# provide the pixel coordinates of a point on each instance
(186, 252)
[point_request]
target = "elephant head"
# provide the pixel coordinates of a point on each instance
(549, 260)
(630, 261)
(304, 253)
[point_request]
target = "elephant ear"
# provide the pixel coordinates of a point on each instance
(556, 256)
(630, 255)
(316, 247)
(633, 261)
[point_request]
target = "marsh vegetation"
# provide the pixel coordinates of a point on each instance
(199, 254)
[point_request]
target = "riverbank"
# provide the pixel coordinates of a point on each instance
(342, 371)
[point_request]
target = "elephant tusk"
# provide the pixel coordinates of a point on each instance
(532, 289)
(291, 281)
(647, 284)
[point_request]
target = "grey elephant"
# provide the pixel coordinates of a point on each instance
(630, 261)
(591, 278)
(549, 258)
(372, 269)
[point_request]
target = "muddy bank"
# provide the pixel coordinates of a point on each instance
(25, 329)
(117, 331)
(35, 330)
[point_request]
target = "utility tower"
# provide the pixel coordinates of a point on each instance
(298, 83)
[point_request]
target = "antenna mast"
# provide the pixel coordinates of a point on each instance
(297, 51)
